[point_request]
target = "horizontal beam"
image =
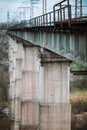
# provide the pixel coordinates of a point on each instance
(72, 46)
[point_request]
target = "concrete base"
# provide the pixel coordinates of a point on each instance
(46, 116)
(55, 117)
(30, 113)
(28, 128)
(15, 126)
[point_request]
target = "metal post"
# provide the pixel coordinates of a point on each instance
(31, 9)
(7, 18)
(44, 6)
(54, 12)
(81, 8)
(69, 12)
(78, 8)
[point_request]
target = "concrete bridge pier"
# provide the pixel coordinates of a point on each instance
(30, 74)
(30, 94)
(39, 88)
(11, 77)
(55, 108)
(15, 73)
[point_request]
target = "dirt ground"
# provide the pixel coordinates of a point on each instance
(79, 110)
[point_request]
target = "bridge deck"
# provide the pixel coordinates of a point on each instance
(70, 39)
(64, 16)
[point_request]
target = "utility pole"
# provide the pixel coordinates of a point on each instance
(24, 8)
(22, 13)
(31, 9)
(78, 8)
(32, 3)
(44, 6)
(8, 18)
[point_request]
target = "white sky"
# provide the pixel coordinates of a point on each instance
(13, 6)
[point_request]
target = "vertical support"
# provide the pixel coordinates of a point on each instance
(55, 107)
(44, 6)
(53, 18)
(41, 96)
(31, 92)
(69, 12)
(15, 71)
(78, 8)
(62, 6)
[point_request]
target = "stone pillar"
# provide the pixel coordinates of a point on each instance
(55, 108)
(31, 75)
(39, 89)
(56, 86)
(11, 77)
(18, 85)
(30, 95)
(15, 90)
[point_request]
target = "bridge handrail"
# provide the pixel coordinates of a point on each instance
(57, 16)
(45, 19)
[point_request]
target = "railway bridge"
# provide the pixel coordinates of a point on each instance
(40, 52)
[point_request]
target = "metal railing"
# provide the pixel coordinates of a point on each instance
(62, 12)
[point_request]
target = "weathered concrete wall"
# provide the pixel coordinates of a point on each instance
(56, 83)
(31, 74)
(55, 117)
(39, 88)
(30, 113)
(55, 107)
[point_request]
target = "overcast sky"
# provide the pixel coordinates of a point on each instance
(14, 7)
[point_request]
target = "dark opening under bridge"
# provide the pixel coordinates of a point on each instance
(40, 50)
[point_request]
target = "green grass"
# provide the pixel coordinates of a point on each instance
(80, 90)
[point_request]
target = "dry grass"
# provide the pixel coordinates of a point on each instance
(78, 96)
(79, 109)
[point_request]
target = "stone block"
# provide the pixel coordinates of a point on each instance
(31, 59)
(15, 126)
(53, 116)
(30, 113)
(56, 83)
(30, 85)
(17, 104)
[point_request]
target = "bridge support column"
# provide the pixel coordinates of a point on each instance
(55, 109)
(39, 87)
(30, 91)
(15, 71)
(31, 74)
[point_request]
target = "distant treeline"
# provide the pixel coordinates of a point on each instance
(3, 26)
